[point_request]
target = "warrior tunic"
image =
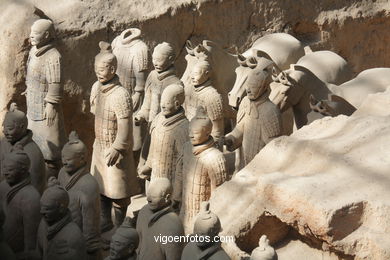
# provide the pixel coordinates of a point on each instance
(84, 204)
(204, 169)
(22, 215)
(258, 122)
(168, 138)
(110, 102)
(154, 87)
(37, 168)
(43, 82)
(209, 98)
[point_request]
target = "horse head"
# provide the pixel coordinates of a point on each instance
(333, 106)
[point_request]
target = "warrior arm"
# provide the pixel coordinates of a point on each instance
(53, 77)
(121, 142)
(217, 170)
(272, 126)
(218, 129)
(145, 108)
(237, 134)
(123, 112)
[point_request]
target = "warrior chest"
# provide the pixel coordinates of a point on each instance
(36, 71)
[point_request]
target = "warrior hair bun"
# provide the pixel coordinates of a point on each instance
(105, 47)
(73, 137)
(52, 182)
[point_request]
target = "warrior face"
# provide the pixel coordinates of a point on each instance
(40, 34)
(169, 104)
(120, 247)
(159, 194)
(72, 161)
(14, 172)
(12, 130)
(199, 134)
(256, 86)
(50, 212)
(199, 74)
(104, 71)
(161, 61)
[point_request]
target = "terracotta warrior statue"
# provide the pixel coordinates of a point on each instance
(6, 252)
(124, 242)
(133, 62)
(169, 132)
(258, 120)
(207, 224)
(58, 236)
(157, 220)
(204, 169)
(20, 201)
(16, 134)
(44, 94)
(112, 159)
(84, 194)
(163, 75)
(264, 251)
(202, 93)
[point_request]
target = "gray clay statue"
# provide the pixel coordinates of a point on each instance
(58, 236)
(20, 201)
(158, 219)
(264, 251)
(124, 242)
(84, 194)
(207, 225)
(16, 134)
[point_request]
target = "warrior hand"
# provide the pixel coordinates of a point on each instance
(50, 114)
(112, 156)
(228, 141)
(138, 120)
(136, 100)
(144, 172)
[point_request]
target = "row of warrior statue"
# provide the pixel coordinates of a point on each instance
(56, 207)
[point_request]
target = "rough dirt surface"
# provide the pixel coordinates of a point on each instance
(329, 182)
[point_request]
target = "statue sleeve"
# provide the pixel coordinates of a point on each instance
(123, 111)
(272, 123)
(142, 57)
(182, 139)
(53, 78)
(145, 108)
(178, 180)
(90, 210)
(217, 170)
(92, 97)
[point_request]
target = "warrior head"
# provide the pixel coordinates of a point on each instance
(15, 124)
(206, 224)
(159, 194)
(54, 202)
(200, 127)
(42, 32)
(16, 166)
(105, 63)
(200, 73)
(125, 240)
(74, 154)
(172, 99)
(163, 57)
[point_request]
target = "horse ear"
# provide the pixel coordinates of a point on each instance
(241, 60)
(189, 47)
(200, 48)
(252, 62)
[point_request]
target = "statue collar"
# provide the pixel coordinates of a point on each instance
(104, 88)
(165, 74)
(75, 177)
(180, 115)
(203, 86)
(15, 189)
(157, 215)
(55, 228)
(208, 252)
(43, 49)
(197, 149)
